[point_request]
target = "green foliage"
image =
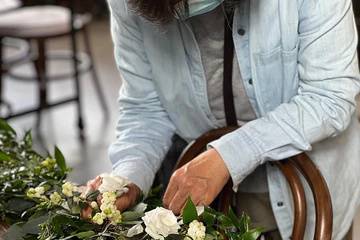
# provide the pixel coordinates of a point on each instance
(35, 200)
(20, 169)
(189, 212)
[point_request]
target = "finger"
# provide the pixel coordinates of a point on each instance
(93, 185)
(170, 192)
(97, 183)
(178, 202)
(123, 203)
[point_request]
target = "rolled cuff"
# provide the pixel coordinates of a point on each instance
(239, 155)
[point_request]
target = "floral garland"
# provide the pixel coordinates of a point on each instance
(50, 207)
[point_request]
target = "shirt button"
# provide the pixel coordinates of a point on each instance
(250, 81)
(241, 32)
(280, 204)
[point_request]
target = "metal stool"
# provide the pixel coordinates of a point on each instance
(39, 24)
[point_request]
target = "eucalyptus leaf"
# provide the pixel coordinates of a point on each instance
(132, 215)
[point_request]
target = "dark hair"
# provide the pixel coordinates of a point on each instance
(159, 11)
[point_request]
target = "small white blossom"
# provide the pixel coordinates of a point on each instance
(94, 205)
(99, 218)
(111, 183)
(108, 208)
(49, 163)
(55, 198)
(116, 217)
(37, 192)
(108, 198)
(68, 189)
(160, 223)
(197, 230)
(135, 230)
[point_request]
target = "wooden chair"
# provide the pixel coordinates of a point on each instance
(290, 168)
(39, 24)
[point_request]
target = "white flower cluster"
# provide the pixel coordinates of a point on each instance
(49, 163)
(160, 223)
(55, 198)
(108, 210)
(68, 189)
(196, 231)
(37, 192)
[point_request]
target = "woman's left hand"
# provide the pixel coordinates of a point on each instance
(202, 179)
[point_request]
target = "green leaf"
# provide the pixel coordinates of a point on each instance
(208, 218)
(28, 139)
(251, 235)
(6, 127)
(85, 235)
(18, 205)
(14, 233)
(235, 220)
(131, 216)
(4, 157)
(189, 213)
(92, 196)
(60, 160)
(244, 223)
(225, 221)
(20, 230)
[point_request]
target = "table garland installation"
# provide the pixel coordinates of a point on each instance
(38, 203)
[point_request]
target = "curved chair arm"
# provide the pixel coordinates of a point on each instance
(290, 168)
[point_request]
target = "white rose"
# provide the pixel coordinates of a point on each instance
(135, 230)
(197, 230)
(160, 223)
(111, 183)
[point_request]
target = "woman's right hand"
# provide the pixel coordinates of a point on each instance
(125, 201)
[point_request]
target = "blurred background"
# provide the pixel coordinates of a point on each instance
(39, 87)
(58, 77)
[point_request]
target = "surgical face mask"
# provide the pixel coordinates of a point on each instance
(196, 7)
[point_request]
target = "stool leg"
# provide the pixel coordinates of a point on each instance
(77, 84)
(41, 71)
(2, 71)
(94, 73)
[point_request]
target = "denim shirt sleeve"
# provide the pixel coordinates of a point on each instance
(329, 82)
(144, 129)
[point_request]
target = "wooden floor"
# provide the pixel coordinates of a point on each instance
(59, 127)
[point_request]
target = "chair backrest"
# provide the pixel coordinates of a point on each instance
(290, 168)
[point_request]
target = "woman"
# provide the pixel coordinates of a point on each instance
(295, 77)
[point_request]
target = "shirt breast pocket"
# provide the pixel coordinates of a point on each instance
(277, 76)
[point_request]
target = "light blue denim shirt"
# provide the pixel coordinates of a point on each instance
(301, 57)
